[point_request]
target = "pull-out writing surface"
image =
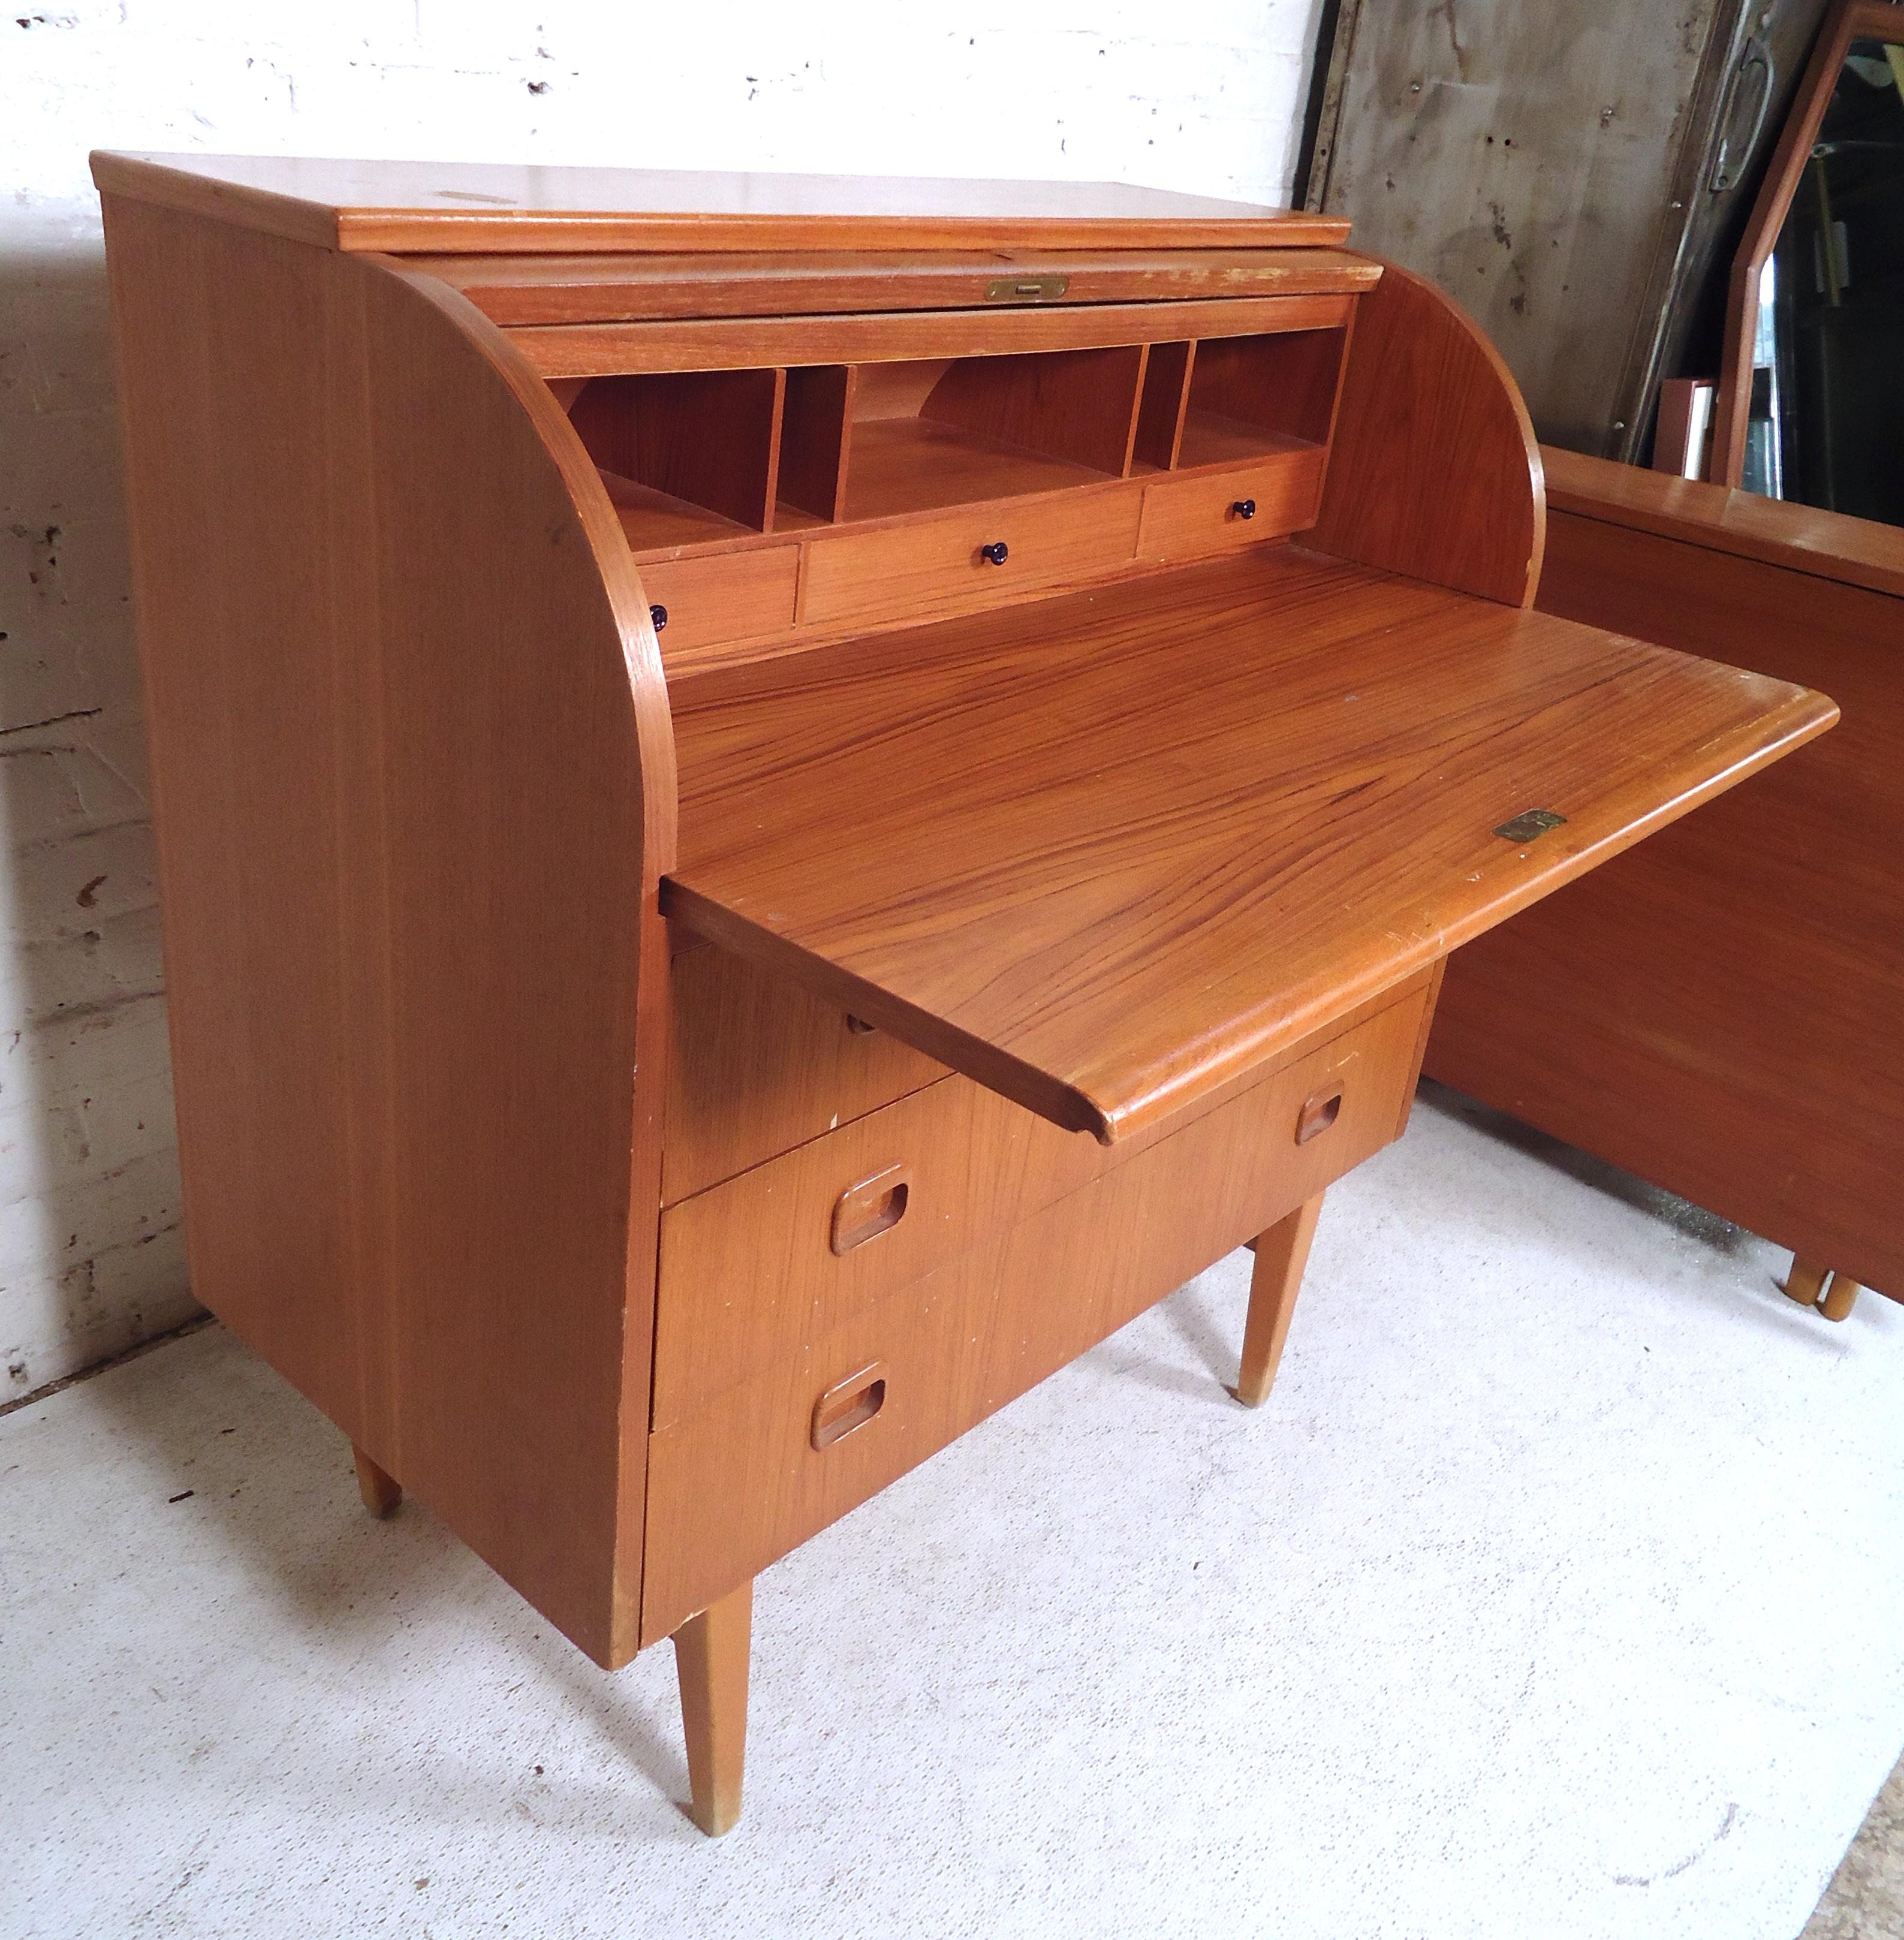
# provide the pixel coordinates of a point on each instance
(1108, 853)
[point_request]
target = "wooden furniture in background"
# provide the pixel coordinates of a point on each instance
(690, 773)
(1722, 1011)
(1848, 20)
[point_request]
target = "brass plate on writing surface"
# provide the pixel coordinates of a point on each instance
(1529, 823)
(1027, 289)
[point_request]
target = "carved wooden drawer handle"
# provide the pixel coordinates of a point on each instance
(849, 1404)
(1318, 1114)
(874, 1206)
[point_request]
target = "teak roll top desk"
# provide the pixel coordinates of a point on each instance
(782, 801)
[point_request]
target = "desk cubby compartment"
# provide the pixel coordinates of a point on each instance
(923, 436)
(687, 456)
(1249, 398)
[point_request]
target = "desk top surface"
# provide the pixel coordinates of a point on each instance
(1108, 853)
(483, 207)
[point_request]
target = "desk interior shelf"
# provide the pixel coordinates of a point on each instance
(702, 463)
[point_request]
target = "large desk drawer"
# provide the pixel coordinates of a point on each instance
(758, 1067)
(755, 1270)
(931, 566)
(762, 1463)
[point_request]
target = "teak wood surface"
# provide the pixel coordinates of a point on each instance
(981, 1328)
(470, 207)
(1282, 1253)
(724, 342)
(711, 1653)
(1106, 854)
(1722, 1011)
(410, 752)
(758, 1065)
(747, 1277)
(602, 288)
(1796, 539)
(1170, 850)
(1434, 470)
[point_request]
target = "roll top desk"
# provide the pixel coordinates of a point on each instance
(782, 801)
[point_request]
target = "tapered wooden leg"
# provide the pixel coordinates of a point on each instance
(1841, 1298)
(381, 1492)
(1805, 1282)
(710, 1660)
(1281, 1254)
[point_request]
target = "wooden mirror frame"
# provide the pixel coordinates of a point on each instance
(1849, 20)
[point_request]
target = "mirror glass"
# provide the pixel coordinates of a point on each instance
(1827, 423)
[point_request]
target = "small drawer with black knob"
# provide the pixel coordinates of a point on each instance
(1202, 513)
(977, 556)
(721, 598)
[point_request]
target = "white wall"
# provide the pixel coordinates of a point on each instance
(1202, 94)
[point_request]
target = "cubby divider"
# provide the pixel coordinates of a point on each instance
(816, 439)
(1159, 411)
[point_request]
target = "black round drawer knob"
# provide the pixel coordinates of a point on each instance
(659, 615)
(1244, 509)
(996, 554)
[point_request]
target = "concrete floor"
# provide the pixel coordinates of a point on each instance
(1865, 1899)
(1556, 1592)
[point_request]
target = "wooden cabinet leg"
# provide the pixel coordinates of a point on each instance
(710, 1660)
(1805, 1282)
(381, 1492)
(1281, 1254)
(1842, 1297)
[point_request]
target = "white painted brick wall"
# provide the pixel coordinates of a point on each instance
(1202, 94)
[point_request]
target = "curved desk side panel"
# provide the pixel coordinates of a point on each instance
(413, 786)
(1434, 470)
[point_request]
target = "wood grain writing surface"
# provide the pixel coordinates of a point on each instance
(1106, 853)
